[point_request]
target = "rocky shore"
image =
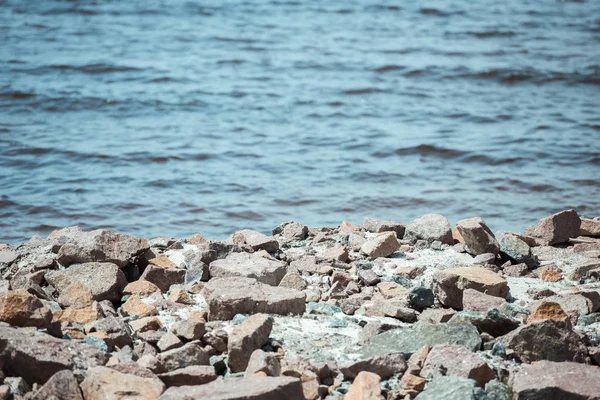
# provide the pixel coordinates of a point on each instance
(380, 310)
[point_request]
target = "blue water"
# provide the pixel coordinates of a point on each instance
(170, 117)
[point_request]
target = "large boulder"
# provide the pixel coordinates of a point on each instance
(455, 360)
(547, 339)
(110, 384)
(19, 308)
(246, 337)
(449, 284)
(249, 265)
(556, 380)
(227, 297)
(557, 228)
(36, 356)
(429, 227)
(408, 340)
(261, 388)
(478, 238)
(61, 386)
(104, 280)
(97, 246)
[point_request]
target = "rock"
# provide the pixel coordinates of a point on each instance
(392, 290)
(589, 227)
(145, 324)
(384, 366)
(557, 228)
(548, 339)
(61, 386)
(435, 315)
(97, 246)
(516, 250)
(366, 386)
(256, 240)
(180, 296)
(104, 280)
(429, 227)
(7, 257)
(420, 298)
(550, 275)
(556, 380)
(348, 228)
(381, 245)
(269, 272)
(107, 384)
(246, 337)
(397, 309)
(36, 356)
(76, 295)
(80, 316)
(163, 277)
(227, 297)
(294, 231)
(492, 322)
(474, 300)
(113, 331)
(168, 342)
(548, 310)
(452, 387)
(478, 238)
(184, 356)
(141, 288)
(378, 226)
(455, 360)
(293, 280)
(261, 361)
(193, 375)
(408, 340)
(368, 277)
(448, 285)
(583, 270)
(135, 306)
(192, 328)
(516, 270)
(19, 308)
(263, 388)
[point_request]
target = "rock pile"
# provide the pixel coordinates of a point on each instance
(381, 310)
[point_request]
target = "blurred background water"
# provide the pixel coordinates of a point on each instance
(174, 117)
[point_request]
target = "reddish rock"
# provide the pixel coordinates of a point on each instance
(193, 375)
(184, 356)
(227, 297)
(448, 285)
(516, 270)
(141, 288)
(76, 295)
(168, 342)
(162, 261)
(145, 324)
(589, 227)
(135, 306)
(109, 384)
(557, 228)
(474, 300)
(260, 388)
(556, 380)
(196, 239)
(294, 231)
(254, 239)
(382, 245)
(163, 277)
(104, 280)
(455, 360)
(384, 366)
(181, 296)
(61, 386)
(19, 308)
(366, 386)
(79, 316)
(192, 328)
(476, 235)
(97, 246)
(392, 290)
(261, 361)
(114, 331)
(547, 310)
(248, 265)
(346, 228)
(550, 275)
(246, 337)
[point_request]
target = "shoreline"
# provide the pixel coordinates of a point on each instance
(380, 310)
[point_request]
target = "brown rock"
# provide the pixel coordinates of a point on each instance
(184, 356)
(254, 239)
(196, 239)
(457, 236)
(556, 380)
(193, 375)
(61, 386)
(36, 356)
(135, 306)
(248, 265)
(557, 228)
(108, 384)
(392, 290)
(516, 270)
(79, 316)
(346, 227)
(19, 308)
(382, 245)
(412, 383)
(76, 295)
(294, 231)
(97, 246)
(145, 324)
(141, 288)
(191, 328)
(409, 272)
(384, 366)
(163, 277)
(474, 300)
(227, 297)
(259, 388)
(582, 270)
(455, 360)
(162, 261)
(547, 310)
(104, 280)
(448, 285)
(366, 386)
(168, 342)
(436, 315)
(589, 227)
(547, 339)
(397, 309)
(246, 337)
(478, 238)
(550, 275)
(261, 361)
(181, 296)
(293, 280)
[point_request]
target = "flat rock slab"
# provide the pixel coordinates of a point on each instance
(227, 297)
(36, 356)
(262, 388)
(193, 375)
(557, 380)
(109, 384)
(448, 285)
(249, 265)
(409, 340)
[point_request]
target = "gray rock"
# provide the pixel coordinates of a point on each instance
(429, 227)
(368, 277)
(105, 280)
(185, 356)
(493, 321)
(557, 228)
(496, 390)
(408, 340)
(264, 388)
(452, 387)
(254, 239)
(378, 225)
(455, 360)
(294, 231)
(248, 265)
(449, 284)
(61, 386)
(478, 238)
(420, 298)
(381, 245)
(516, 250)
(117, 332)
